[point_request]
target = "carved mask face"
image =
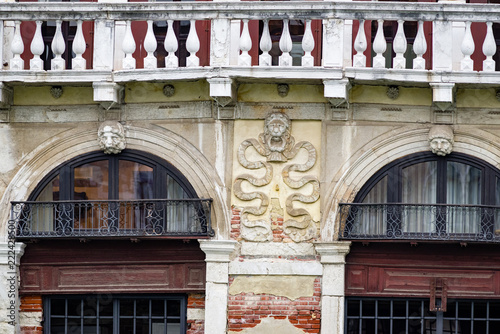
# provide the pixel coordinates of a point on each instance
(276, 128)
(110, 140)
(441, 146)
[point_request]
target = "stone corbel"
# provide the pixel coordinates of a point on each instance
(5, 96)
(337, 92)
(108, 94)
(443, 95)
(222, 90)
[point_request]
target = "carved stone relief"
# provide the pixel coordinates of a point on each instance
(441, 139)
(111, 137)
(277, 146)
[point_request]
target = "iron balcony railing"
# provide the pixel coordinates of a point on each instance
(112, 218)
(440, 222)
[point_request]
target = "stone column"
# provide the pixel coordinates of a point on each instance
(218, 254)
(10, 256)
(333, 285)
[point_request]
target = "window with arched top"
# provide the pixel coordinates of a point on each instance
(429, 197)
(99, 195)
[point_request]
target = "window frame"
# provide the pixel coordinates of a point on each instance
(116, 315)
(161, 169)
(394, 171)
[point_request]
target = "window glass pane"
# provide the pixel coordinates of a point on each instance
(142, 308)
(57, 306)
(57, 326)
(105, 326)
(158, 308)
(43, 215)
(142, 325)
(371, 220)
(50, 192)
(91, 181)
(126, 307)
(136, 181)
(174, 189)
(106, 307)
(463, 187)
(463, 184)
(419, 184)
(378, 194)
(173, 308)
(74, 307)
(126, 325)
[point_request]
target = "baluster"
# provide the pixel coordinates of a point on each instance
(192, 46)
(419, 47)
(79, 46)
(285, 46)
(265, 45)
(244, 59)
(360, 45)
(308, 46)
(128, 47)
(17, 48)
(150, 47)
(467, 47)
(171, 46)
(399, 46)
(58, 48)
(37, 47)
(489, 49)
(379, 45)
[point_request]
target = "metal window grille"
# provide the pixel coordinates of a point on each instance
(412, 316)
(107, 314)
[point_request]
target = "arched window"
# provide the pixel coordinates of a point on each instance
(132, 193)
(425, 196)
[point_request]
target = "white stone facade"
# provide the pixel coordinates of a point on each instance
(275, 191)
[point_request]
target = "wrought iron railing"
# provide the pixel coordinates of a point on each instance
(419, 222)
(113, 218)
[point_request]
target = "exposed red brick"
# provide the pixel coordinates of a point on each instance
(31, 303)
(31, 330)
(246, 310)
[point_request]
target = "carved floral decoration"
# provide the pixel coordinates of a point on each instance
(277, 145)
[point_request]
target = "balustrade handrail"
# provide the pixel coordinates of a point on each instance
(355, 10)
(422, 205)
(112, 218)
(407, 221)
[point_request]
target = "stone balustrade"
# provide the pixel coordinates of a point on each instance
(437, 52)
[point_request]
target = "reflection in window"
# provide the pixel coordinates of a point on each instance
(108, 193)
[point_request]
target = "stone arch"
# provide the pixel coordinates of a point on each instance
(148, 138)
(390, 146)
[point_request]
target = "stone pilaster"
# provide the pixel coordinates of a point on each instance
(218, 254)
(333, 285)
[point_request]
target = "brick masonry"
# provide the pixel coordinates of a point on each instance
(31, 304)
(246, 310)
(196, 301)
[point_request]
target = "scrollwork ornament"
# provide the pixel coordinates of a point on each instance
(278, 145)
